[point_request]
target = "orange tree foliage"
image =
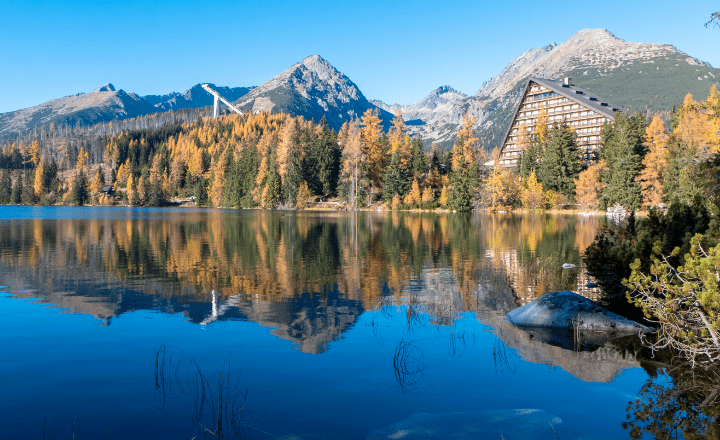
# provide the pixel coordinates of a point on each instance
(651, 176)
(373, 146)
(532, 195)
(589, 187)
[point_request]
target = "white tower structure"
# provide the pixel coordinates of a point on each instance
(217, 99)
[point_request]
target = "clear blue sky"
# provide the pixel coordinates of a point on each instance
(394, 51)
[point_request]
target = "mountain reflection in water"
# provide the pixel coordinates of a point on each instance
(307, 275)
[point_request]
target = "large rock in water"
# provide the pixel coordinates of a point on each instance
(570, 311)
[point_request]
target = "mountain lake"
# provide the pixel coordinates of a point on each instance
(190, 324)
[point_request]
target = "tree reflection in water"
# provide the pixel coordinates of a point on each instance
(685, 405)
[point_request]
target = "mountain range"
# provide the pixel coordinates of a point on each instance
(634, 76)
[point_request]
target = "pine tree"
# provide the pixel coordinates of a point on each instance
(420, 160)
(396, 181)
(464, 174)
(272, 193)
(561, 163)
(17, 190)
(5, 187)
(78, 190)
(328, 154)
(623, 151)
(28, 192)
(201, 193)
(155, 192)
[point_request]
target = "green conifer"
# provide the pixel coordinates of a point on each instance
(561, 163)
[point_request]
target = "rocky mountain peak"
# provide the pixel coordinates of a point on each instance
(316, 63)
(310, 87)
(444, 89)
(588, 48)
(105, 88)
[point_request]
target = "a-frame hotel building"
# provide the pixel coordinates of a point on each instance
(583, 112)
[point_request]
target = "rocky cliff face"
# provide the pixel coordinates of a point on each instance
(312, 88)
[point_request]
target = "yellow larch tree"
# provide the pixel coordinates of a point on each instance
(415, 195)
(651, 176)
(532, 195)
(427, 196)
(396, 134)
(196, 165)
(444, 196)
(692, 129)
(35, 157)
(589, 186)
(712, 109)
(286, 145)
(142, 190)
(81, 160)
(303, 196)
(375, 155)
(39, 183)
(352, 157)
(97, 182)
(130, 189)
(124, 172)
(408, 200)
(465, 147)
(540, 133)
(501, 187)
(218, 180)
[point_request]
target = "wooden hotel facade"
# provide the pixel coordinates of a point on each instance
(558, 102)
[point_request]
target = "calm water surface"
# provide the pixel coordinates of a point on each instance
(134, 324)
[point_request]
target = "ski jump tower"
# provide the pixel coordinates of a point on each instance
(218, 98)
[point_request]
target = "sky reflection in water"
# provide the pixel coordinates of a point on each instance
(326, 325)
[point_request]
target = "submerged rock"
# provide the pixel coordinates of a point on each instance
(568, 310)
(509, 424)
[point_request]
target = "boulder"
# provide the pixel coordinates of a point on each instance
(570, 311)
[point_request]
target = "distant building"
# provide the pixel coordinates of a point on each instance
(583, 112)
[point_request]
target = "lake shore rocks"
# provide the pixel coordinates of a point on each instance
(570, 311)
